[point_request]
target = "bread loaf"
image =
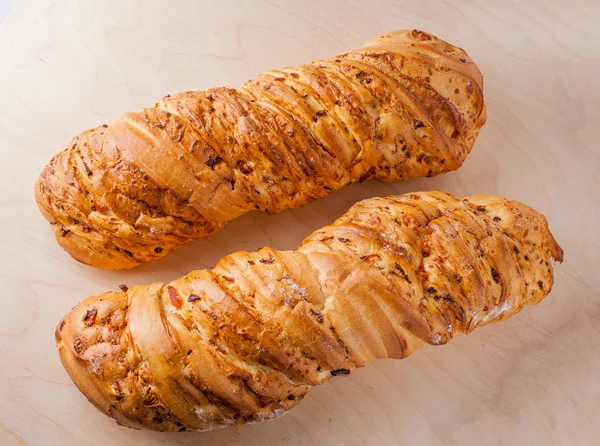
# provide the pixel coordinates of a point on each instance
(403, 106)
(246, 341)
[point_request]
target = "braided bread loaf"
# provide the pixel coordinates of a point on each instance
(245, 341)
(403, 106)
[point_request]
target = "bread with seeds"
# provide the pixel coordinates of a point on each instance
(403, 106)
(245, 341)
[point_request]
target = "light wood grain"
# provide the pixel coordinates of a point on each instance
(68, 65)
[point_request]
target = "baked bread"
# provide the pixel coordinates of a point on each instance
(404, 106)
(245, 341)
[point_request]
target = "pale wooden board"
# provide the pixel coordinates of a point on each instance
(68, 65)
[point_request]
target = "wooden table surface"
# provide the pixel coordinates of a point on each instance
(69, 65)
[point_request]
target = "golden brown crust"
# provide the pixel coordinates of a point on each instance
(403, 106)
(246, 340)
